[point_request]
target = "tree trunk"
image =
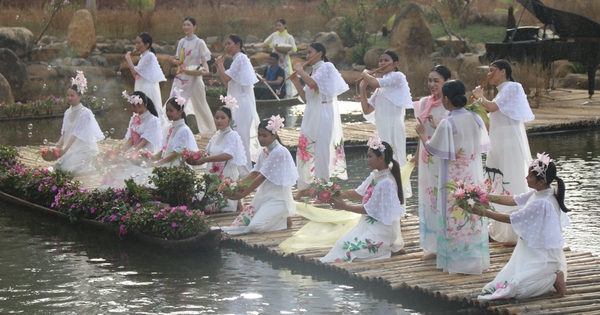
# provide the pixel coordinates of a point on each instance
(91, 6)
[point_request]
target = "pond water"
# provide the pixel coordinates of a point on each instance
(47, 266)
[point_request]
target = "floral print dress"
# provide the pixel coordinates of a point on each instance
(321, 142)
(377, 234)
(459, 140)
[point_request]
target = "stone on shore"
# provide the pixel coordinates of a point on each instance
(371, 58)
(41, 72)
(259, 58)
(350, 76)
(333, 46)
(15, 72)
(46, 53)
(18, 39)
(81, 33)
(410, 34)
(6, 96)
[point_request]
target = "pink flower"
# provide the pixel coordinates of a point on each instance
(302, 142)
(174, 224)
(368, 194)
(185, 154)
(303, 155)
(325, 196)
(217, 168)
(336, 187)
(459, 193)
(312, 192)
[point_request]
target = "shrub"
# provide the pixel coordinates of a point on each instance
(9, 157)
(162, 221)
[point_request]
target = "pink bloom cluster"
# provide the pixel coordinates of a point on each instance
(229, 101)
(80, 81)
(323, 190)
(275, 123)
(192, 157)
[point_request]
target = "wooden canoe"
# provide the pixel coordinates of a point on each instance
(103, 109)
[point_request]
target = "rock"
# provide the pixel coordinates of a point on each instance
(89, 71)
(15, 72)
(100, 39)
(304, 37)
(80, 62)
(333, 46)
(119, 47)
(211, 39)
(301, 46)
(333, 23)
(259, 58)
(81, 33)
(250, 39)
(579, 81)
(216, 46)
(18, 39)
(358, 68)
(492, 18)
(157, 48)
(410, 34)
(47, 39)
(371, 58)
(169, 49)
(350, 76)
(45, 54)
(41, 72)
(457, 45)
(114, 59)
(6, 96)
(99, 61)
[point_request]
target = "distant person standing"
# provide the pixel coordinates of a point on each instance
(192, 51)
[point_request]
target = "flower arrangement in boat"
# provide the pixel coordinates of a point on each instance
(51, 154)
(9, 157)
(467, 196)
(163, 221)
(193, 157)
(46, 105)
(324, 190)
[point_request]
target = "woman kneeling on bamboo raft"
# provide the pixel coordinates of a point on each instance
(538, 262)
(377, 235)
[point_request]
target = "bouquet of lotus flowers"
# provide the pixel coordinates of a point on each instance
(468, 196)
(193, 157)
(323, 190)
(230, 187)
(51, 154)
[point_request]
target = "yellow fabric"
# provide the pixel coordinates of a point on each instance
(326, 226)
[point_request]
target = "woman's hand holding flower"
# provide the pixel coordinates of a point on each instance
(338, 203)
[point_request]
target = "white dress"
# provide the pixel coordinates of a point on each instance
(245, 118)
(194, 51)
(283, 38)
(321, 143)
(273, 201)
(150, 74)
(462, 245)
(378, 233)
(429, 167)
(531, 270)
(144, 126)
(390, 102)
(177, 138)
(507, 163)
(79, 122)
(227, 141)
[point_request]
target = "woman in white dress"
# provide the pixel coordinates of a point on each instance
(240, 79)
(79, 133)
(387, 106)
(225, 153)
(144, 133)
(430, 111)
(147, 73)
(507, 163)
(192, 51)
(321, 142)
(273, 177)
(178, 137)
(462, 241)
(282, 37)
(377, 235)
(538, 263)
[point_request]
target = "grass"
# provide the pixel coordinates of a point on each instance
(475, 33)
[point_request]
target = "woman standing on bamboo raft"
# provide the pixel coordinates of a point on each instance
(193, 52)
(387, 106)
(281, 37)
(507, 163)
(377, 235)
(459, 140)
(321, 142)
(538, 262)
(239, 80)
(430, 112)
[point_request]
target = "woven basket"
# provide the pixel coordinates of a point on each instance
(195, 72)
(283, 49)
(49, 156)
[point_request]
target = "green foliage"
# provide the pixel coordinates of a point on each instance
(175, 185)
(328, 8)
(358, 52)
(577, 67)
(215, 91)
(475, 33)
(141, 5)
(45, 106)
(235, 24)
(9, 158)
(162, 221)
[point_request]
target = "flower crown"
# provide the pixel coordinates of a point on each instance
(275, 123)
(375, 143)
(132, 99)
(229, 101)
(80, 81)
(178, 98)
(540, 165)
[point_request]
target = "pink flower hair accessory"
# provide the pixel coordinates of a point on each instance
(375, 143)
(80, 81)
(178, 98)
(229, 101)
(540, 165)
(132, 99)
(275, 123)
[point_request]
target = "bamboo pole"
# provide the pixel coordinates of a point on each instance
(318, 54)
(374, 71)
(487, 80)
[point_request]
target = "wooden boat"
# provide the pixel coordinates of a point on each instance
(102, 109)
(208, 241)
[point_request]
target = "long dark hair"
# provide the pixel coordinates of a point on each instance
(320, 48)
(455, 90)
(392, 55)
(191, 19)
(147, 102)
(236, 39)
(550, 177)
(263, 125)
(147, 39)
(443, 71)
(176, 105)
(502, 64)
(388, 156)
